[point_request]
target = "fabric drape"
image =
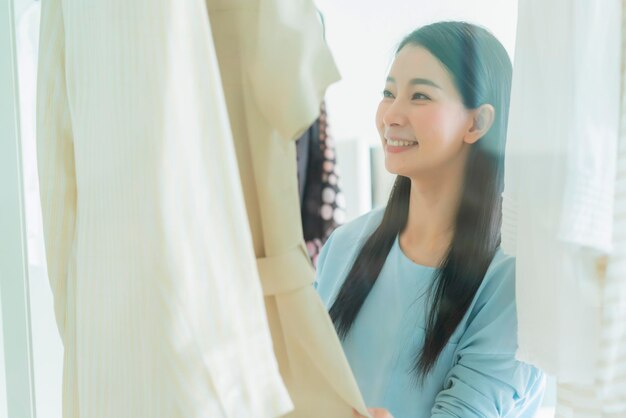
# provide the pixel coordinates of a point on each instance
(606, 396)
(149, 252)
(27, 41)
(276, 68)
(560, 178)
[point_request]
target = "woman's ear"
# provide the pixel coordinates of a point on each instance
(482, 119)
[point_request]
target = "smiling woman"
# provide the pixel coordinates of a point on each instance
(425, 302)
(427, 111)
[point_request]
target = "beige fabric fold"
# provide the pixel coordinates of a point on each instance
(275, 68)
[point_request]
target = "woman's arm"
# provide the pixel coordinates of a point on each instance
(486, 379)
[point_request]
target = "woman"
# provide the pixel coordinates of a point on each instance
(419, 291)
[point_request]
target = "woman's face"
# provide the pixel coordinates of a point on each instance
(421, 118)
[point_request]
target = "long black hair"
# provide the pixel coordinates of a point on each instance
(481, 70)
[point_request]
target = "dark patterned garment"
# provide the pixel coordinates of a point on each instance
(322, 203)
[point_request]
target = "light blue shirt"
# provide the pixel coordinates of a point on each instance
(476, 375)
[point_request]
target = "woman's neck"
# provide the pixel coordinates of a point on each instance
(432, 211)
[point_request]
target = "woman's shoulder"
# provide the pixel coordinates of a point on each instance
(359, 228)
(340, 250)
(500, 277)
(493, 309)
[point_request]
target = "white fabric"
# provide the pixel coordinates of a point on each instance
(149, 251)
(27, 41)
(606, 396)
(560, 175)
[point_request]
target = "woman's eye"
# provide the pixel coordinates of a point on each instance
(420, 96)
(388, 94)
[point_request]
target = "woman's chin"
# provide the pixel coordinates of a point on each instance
(396, 169)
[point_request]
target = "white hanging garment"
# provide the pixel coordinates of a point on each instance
(606, 396)
(150, 256)
(560, 177)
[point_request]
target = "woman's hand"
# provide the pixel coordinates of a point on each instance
(374, 412)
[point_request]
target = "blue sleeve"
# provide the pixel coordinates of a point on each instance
(486, 380)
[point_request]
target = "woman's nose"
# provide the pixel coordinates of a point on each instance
(395, 114)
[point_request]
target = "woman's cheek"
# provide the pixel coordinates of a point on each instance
(382, 108)
(427, 123)
(438, 124)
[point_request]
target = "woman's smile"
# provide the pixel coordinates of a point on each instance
(396, 145)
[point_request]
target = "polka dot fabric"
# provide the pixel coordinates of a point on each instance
(323, 203)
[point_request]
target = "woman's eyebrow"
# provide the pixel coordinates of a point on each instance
(417, 81)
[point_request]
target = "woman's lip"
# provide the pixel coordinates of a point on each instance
(395, 150)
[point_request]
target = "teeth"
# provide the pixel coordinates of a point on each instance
(400, 143)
